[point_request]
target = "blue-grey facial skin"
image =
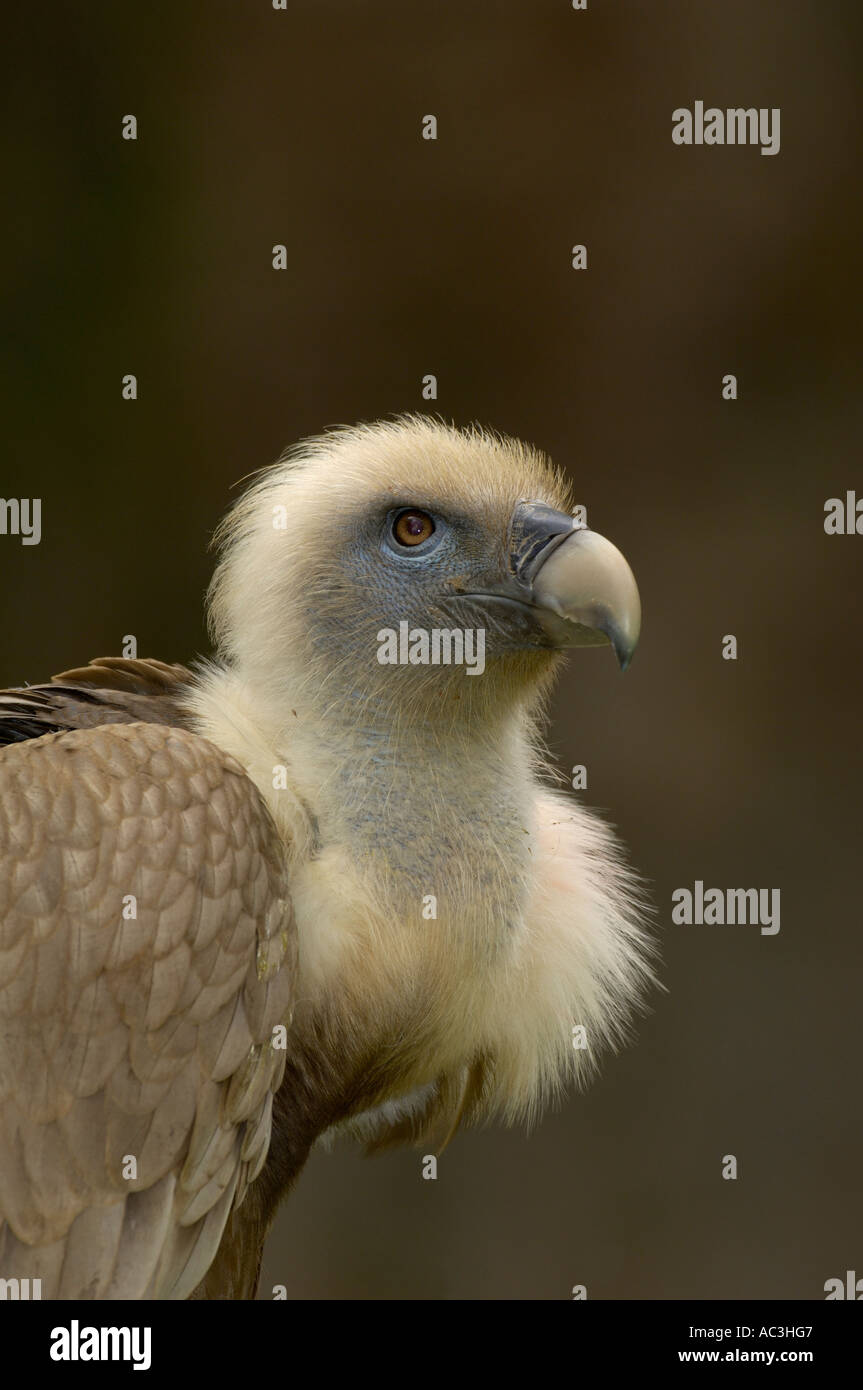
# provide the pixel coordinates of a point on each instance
(469, 574)
(530, 582)
(421, 584)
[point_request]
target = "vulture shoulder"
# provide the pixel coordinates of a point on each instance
(147, 955)
(109, 690)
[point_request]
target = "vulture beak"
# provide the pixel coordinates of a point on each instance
(582, 589)
(576, 587)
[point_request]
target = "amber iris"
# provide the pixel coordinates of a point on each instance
(412, 528)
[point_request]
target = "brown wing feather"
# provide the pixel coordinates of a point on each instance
(146, 1037)
(109, 690)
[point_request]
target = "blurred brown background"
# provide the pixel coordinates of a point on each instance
(409, 257)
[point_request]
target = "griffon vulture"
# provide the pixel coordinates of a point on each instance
(304, 887)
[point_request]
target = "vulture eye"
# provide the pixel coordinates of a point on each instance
(412, 528)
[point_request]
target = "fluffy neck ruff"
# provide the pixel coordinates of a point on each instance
(457, 922)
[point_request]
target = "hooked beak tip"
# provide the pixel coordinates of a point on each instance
(589, 594)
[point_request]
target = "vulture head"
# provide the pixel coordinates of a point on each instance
(414, 523)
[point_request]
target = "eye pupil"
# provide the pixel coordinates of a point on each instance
(412, 528)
